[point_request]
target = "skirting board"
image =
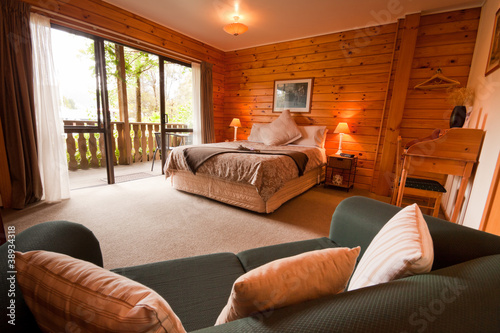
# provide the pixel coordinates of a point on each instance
(244, 195)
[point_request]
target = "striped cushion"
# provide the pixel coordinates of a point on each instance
(290, 281)
(403, 247)
(71, 295)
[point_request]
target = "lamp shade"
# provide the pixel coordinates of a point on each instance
(235, 28)
(342, 128)
(235, 123)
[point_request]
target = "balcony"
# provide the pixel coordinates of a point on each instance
(133, 152)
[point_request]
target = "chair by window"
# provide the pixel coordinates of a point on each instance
(158, 146)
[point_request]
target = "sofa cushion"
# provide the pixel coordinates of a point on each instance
(290, 281)
(64, 237)
(254, 258)
(197, 288)
(403, 247)
(68, 294)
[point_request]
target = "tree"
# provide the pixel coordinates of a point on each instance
(137, 63)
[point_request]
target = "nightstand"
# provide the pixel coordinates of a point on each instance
(340, 171)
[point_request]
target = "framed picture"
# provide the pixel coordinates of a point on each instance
(293, 95)
(494, 55)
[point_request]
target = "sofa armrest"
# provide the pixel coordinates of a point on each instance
(460, 298)
(357, 220)
(58, 236)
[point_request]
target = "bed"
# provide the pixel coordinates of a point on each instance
(257, 180)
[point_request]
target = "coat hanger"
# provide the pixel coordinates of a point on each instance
(437, 81)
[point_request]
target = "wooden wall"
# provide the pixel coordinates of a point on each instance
(351, 72)
(445, 41)
(113, 20)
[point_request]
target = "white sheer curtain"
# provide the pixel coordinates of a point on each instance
(195, 67)
(50, 129)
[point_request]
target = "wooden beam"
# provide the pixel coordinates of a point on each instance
(395, 115)
(5, 182)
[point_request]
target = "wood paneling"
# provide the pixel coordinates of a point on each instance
(351, 70)
(106, 20)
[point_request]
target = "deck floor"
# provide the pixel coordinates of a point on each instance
(97, 176)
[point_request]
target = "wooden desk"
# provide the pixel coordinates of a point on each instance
(454, 153)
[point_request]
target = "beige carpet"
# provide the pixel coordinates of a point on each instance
(146, 220)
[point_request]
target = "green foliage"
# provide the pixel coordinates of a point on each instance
(69, 103)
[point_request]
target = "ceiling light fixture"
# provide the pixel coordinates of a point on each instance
(236, 28)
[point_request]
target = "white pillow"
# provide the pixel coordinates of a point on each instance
(403, 247)
(255, 133)
(281, 131)
(314, 136)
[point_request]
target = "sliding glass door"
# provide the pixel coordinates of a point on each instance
(115, 99)
(81, 70)
(176, 104)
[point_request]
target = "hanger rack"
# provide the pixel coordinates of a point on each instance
(437, 81)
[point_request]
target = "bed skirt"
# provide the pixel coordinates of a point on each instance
(243, 195)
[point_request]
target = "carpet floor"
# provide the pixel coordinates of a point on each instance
(144, 221)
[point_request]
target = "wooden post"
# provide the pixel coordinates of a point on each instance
(94, 161)
(71, 147)
(144, 145)
(151, 141)
(82, 148)
(126, 157)
(137, 142)
(395, 116)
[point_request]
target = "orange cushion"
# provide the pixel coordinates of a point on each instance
(71, 295)
(289, 281)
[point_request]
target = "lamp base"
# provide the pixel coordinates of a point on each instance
(338, 152)
(235, 133)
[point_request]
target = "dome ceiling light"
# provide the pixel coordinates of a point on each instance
(236, 28)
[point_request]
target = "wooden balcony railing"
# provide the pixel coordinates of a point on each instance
(85, 150)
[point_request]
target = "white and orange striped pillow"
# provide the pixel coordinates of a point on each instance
(70, 295)
(403, 247)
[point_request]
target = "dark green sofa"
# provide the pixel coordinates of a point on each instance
(460, 294)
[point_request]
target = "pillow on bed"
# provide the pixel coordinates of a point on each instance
(281, 131)
(255, 133)
(314, 136)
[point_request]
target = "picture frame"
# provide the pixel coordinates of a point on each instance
(294, 95)
(494, 55)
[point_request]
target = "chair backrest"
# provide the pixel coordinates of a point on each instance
(158, 140)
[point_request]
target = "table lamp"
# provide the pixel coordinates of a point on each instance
(341, 129)
(235, 123)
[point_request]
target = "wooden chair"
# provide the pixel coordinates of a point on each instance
(428, 190)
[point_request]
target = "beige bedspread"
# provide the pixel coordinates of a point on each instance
(268, 173)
